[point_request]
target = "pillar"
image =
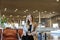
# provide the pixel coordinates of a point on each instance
(39, 18)
(50, 22)
(20, 22)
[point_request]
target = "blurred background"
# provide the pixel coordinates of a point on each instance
(45, 12)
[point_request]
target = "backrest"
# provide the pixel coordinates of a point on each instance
(9, 32)
(0, 33)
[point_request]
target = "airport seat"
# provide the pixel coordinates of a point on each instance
(10, 38)
(0, 33)
(10, 34)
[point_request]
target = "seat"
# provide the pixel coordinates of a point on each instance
(10, 34)
(0, 33)
(10, 38)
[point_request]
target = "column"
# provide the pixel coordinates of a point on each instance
(0, 12)
(50, 22)
(20, 22)
(0, 17)
(39, 18)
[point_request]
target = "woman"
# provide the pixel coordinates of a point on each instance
(30, 27)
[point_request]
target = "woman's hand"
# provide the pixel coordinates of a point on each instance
(33, 33)
(29, 34)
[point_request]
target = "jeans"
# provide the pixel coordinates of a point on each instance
(40, 36)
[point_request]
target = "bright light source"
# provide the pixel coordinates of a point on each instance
(24, 16)
(53, 12)
(16, 10)
(16, 25)
(55, 25)
(26, 9)
(42, 26)
(57, 0)
(3, 15)
(45, 11)
(36, 10)
(5, 9)
(10, 15)
(23, 22)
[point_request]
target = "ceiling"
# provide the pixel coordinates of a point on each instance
(45, 7)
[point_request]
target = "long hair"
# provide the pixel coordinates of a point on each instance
(28, 22)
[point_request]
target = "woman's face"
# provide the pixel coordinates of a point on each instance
(29, 18)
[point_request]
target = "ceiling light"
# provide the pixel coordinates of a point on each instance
(3, 15)
(10, 15)
(53, 12)
(5, 9)
(33, 11)
(45, 11)
(16, 10)
(36, 10)
(24, 16)
(57, 0)
(26, 9)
